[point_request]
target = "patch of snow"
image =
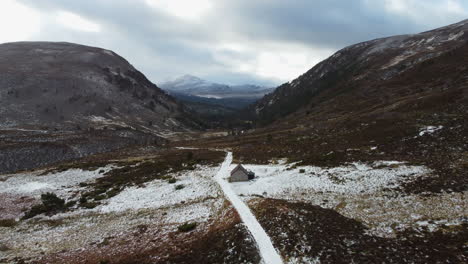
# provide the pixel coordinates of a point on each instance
(61, 183)
(31, 187)
(159, 193)
(24, 130)
(99, 119)
(171, 121)
(355, 178)
(368, 193)
(455, 36)
(387, 163)
(106, 121)
(108, 52)
(157, 206)
(429, 130)
(198, 211)
(336, 55)
(429, 40)
(295, 83)
(396, 60)
(211, 96)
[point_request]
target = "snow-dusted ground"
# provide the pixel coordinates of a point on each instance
(366, 192)
(277, 180)
(267, 251)
(198, 186)
(62, 183)
(157, 205)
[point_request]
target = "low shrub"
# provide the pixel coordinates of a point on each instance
(51, 204)
(4, 247)
(187, 227)
(35, 210)
(189, 155)
(100, 197)
(53, 222)
(83, 200)
(179, 187)
(172, 180)
(302, 171)
(113, 192)
(7, 222)
(90, 205)
(70, 204)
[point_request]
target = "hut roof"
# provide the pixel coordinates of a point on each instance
(239, 167)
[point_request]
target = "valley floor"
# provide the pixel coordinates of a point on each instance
(136, 212)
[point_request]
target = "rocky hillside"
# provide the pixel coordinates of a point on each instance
(369, 70)
(65, 86)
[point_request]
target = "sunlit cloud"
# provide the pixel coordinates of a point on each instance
(233, 41)
(183, 9)
(76, 22)
(17, 21)
(280, 61)
(424, 12)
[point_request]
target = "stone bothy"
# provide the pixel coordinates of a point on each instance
(239, 173)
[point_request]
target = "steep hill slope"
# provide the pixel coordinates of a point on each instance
(67, 86)
(362, 70)
(62, 101)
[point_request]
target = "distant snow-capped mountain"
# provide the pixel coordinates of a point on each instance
(194, 86)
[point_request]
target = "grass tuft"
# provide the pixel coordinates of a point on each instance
(187, 227)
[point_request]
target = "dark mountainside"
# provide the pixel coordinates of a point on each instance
(216, 113)
(60, 101)
(396, 98)
(68, 86)
(367, 72)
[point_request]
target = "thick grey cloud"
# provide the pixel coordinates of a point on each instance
(238, 41)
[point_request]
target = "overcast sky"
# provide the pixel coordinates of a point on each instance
(232, 41)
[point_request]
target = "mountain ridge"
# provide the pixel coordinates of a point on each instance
(371, 61)
(64, 85)
(62, 101)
